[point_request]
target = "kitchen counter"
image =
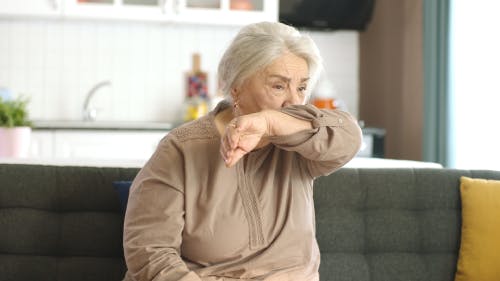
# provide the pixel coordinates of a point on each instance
(101, 125)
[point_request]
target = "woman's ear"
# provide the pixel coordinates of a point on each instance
(234, 93)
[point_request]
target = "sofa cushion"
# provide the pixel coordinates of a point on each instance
(122, 188)
(480, 245)
(61, 223)
(389, 224)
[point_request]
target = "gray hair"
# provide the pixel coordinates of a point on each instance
(258, 45)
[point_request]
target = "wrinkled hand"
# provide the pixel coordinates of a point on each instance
(242, 135)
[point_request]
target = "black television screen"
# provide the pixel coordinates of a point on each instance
(326, 14)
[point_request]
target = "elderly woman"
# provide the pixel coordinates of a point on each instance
(230, 195)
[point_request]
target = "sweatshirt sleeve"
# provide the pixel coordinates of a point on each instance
(334, 140)
(154, 219)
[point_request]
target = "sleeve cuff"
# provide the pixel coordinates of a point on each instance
(314, 115)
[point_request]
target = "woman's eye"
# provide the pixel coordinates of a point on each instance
(278, 87)
(302, 90)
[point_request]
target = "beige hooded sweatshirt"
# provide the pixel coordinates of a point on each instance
(191, 218)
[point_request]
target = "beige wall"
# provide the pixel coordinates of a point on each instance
(391, 78)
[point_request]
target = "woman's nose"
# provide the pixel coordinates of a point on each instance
(292, 97)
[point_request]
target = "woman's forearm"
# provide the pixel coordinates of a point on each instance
(282, 124)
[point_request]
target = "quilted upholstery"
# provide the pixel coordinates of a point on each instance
(390, 224)
(65, 223)
(60, 223)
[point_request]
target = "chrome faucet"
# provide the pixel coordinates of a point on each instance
(90, 113)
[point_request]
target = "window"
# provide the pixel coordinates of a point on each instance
(475, 84)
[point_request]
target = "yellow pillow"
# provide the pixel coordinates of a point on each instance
(479, 257)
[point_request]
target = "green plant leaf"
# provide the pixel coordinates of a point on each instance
(13, 113)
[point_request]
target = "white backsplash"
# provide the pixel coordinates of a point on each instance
(56, 62)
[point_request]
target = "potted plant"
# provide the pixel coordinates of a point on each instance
(15, 128)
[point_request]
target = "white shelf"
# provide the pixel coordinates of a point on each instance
(166, 11)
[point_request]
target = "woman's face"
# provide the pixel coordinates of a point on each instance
(282, 83)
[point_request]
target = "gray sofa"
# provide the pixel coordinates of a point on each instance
(65, 223)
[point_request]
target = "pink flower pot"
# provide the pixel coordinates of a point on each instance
(15, 142)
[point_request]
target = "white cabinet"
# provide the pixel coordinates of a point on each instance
(225, 11)
(31, 7)
(42, 143)
(149, 10)
(232, 12)
(95, 144)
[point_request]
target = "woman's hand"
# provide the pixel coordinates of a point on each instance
(248, 132)
(242, 135)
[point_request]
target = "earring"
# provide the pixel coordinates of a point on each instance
(236, 108)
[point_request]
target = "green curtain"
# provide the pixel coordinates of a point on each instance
(436, 132)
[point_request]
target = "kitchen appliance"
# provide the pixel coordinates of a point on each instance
(326, 14)
(373, 142)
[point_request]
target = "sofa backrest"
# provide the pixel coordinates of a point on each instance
(61, 223)
(390, 224)
(65, 223)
